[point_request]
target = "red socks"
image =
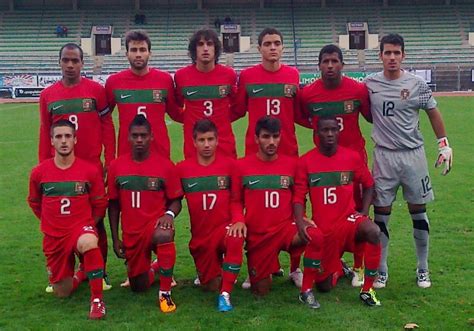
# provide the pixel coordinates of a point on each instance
(312, 258)
(166, 254)
(94, 268)
(372, 258)
(232, 262)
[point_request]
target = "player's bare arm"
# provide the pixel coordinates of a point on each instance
(114, 215)
(166, 222)
(367, 196)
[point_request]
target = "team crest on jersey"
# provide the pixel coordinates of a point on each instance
(223, 90)
(404, 94)
(80, 188)
(345, 177)
(289, 90)
(87, 105)
(349, 106)
(222, 182)
(285, 181)
(153, 184)
(157, 96)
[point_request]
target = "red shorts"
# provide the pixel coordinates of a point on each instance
(263, 250)
(60, 252)
(340, 240)
(208, 254)
(138, 248)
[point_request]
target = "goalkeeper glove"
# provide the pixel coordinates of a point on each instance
(445, 155)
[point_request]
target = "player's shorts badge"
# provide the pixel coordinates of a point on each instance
(87, 105)
(404, 94)
(157, 96)
(223, 90)
(289, 90)
(222, 182)
(285, 181)
(153, 184)
(80, 188)
(345, 177)
(349, 106)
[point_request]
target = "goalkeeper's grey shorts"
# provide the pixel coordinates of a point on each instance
(406, 168)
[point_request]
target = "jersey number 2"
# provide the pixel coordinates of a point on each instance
(65, 204)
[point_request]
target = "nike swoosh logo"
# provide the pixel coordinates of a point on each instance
(232, 268)
(191, 92)
(373, 92)
(251, 182)
(48, 189)
(125, 96)
(425, 195)
(314, 180)
(318, 109)
(57, 107)
(192, 185)
(95, 274)
(125, 182)
(255, 91)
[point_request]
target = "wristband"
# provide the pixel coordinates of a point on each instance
(171, 213)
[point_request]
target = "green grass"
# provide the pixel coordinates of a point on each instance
(447, 305)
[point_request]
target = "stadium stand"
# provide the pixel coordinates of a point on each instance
(435, 34)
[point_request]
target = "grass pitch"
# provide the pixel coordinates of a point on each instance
(448, 305)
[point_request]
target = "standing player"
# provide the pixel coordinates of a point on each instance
(67, 194)
(145, 194)
(270, 88)
(205, 179)
(142, 90)
(343, 97)
(328, 173)
(83, 102)
(205, 89)
(263, 185)
(396, 97)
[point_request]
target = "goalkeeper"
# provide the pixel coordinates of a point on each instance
(396, 97)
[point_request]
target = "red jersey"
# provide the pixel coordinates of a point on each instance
(329, 181)
(207, 95)
(85, 105)
(66, 198)
(265, 190)
(207, 190)
(345, 102)
(152, 95)
(143, 189)
(262, 92)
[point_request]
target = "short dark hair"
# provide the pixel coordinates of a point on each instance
(137, 35)
(62, 122)
(268, 31)
(394, 39)
(204, 125)
(329, 49)
(140, 120)
(207, 34)
(269, 123)
(325, 118)
(71, 46)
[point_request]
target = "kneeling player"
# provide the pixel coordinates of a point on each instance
(68, 196)
(145, 189)
(206, 182)
(328, 173)
(264, 185)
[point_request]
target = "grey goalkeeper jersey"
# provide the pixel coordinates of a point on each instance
(395, 106)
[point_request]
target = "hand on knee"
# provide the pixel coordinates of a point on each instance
(162, 236)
